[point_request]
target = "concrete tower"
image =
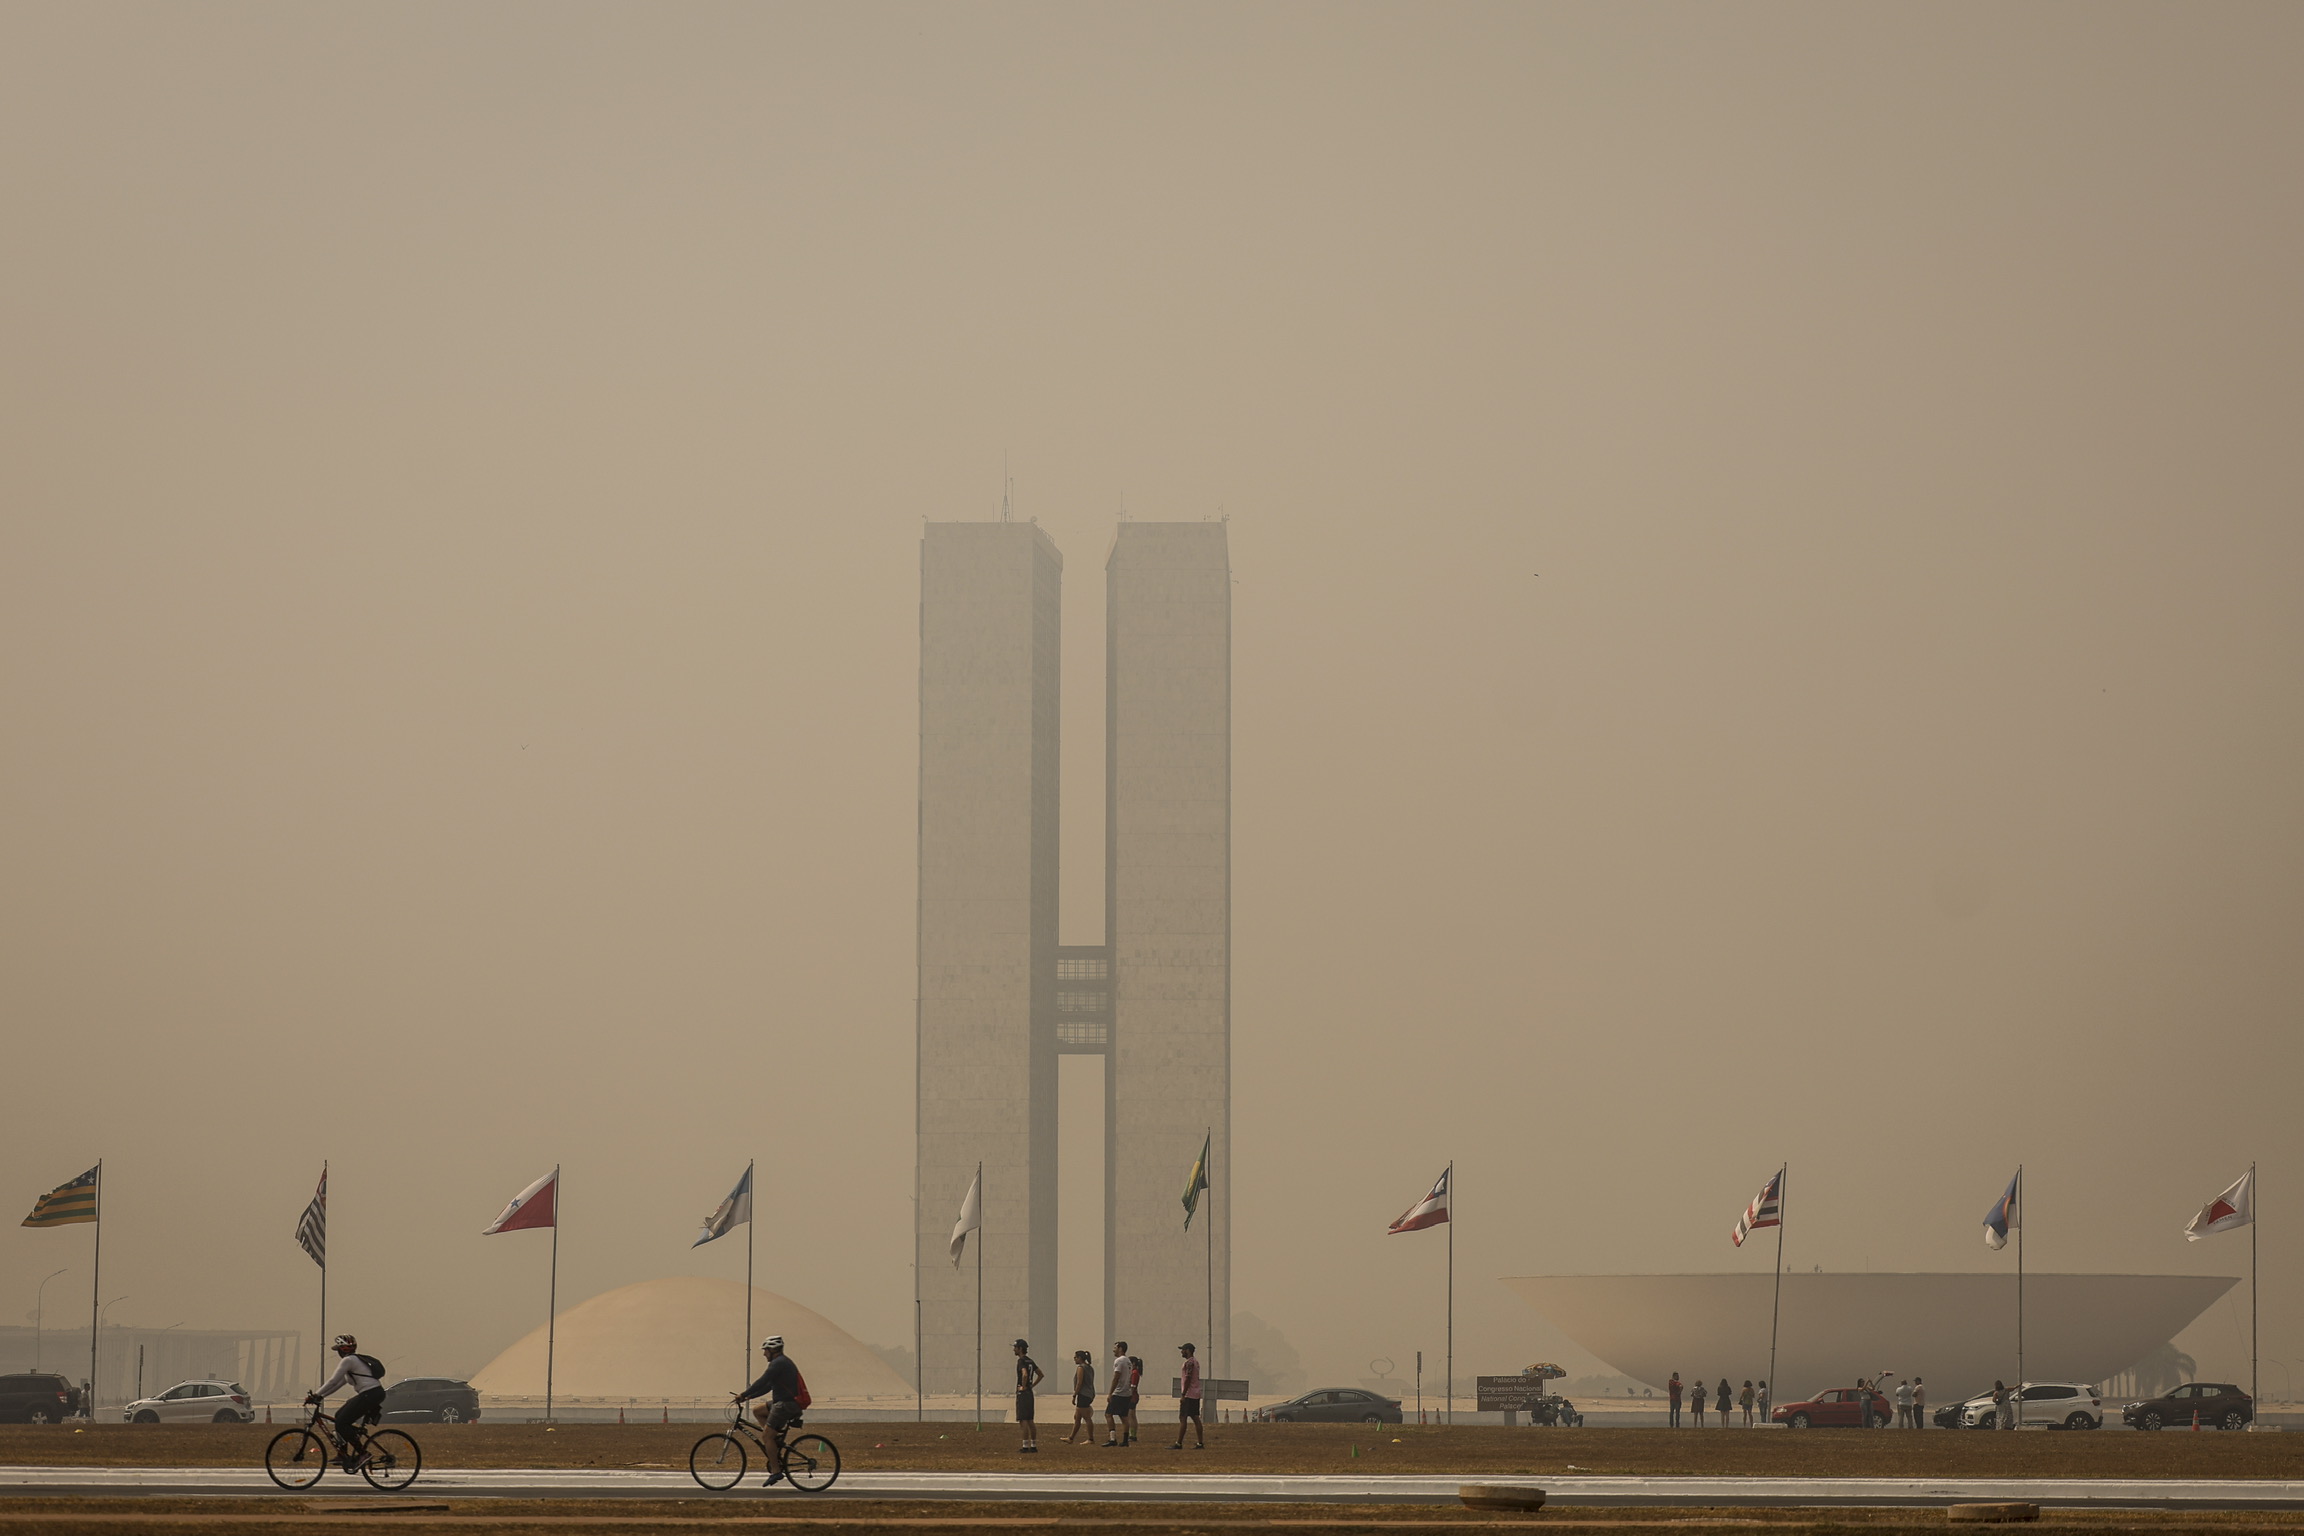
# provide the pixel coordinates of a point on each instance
(1000, 1000)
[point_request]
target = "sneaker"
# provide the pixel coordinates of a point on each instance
(772, 1478)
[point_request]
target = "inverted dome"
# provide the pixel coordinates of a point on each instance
(684, 1338)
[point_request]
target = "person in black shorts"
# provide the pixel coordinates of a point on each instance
(1028, 1376)
(1122, 1401)
(1188, 1402)
(1083, 1396)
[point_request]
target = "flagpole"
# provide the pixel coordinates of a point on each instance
(323, 1262)
(750, 1227)
(552, 1299)
(2022, 1200)
(979, 1295)
(1208, 1193)
(1776, 1307)
(95, 1290)
(2252, 1204)
(1451, 1414)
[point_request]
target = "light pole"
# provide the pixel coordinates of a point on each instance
(39, 1316)
(92, 1340)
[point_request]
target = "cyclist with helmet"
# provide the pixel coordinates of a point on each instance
(786, 1394)
(364, 1374)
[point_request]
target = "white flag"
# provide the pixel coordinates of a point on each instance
(2236, 1207)
(971, 1216)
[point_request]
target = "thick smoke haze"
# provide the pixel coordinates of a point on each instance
(1768, 545)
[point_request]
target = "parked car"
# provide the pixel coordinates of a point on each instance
(37, 1397)
(438, 1398)
(1839, 1407)
(2219, 1404)
(193, 1402)
(1954, 1415)
(1334, 1405)
(2057, 1404)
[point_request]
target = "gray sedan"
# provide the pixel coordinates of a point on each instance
(1334, 1405)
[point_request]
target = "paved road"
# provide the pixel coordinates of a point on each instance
(178, 1482)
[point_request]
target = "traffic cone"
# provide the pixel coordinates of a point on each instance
(619, 1417)
(2195, 1421)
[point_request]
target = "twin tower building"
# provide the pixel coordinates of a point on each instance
(1001, 998)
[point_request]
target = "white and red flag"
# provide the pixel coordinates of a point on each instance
(1429, 1211)
(536, 1206)
(2236, 1207)
(1766, 1210)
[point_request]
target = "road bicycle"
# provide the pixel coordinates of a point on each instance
(718, 1462)
(299, 1458)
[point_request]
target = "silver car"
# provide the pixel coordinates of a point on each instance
(194, 1402)
(2056, 1404)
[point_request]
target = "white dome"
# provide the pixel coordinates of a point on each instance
(684, 1338)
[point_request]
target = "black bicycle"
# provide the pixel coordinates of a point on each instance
(299, 1458)
(811, 1463)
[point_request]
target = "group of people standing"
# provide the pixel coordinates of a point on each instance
(1124, 1392)
(1752, 1399)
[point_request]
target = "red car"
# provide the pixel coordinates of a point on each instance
(1838, 1407)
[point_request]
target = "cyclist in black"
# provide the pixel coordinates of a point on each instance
(364, 1374)
(786, 1395)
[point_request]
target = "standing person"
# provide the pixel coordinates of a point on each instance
(1919, 1404)
(1764, 1404)
(1188, 1402)
(1672, 1392)
(1722, 1405)
(1028, 1378)
(1083, 1396)
(1696, 1402)
(1903, 1404)
(1117, 1406)
(1135, 1393)
(2001, 1417)
(364, 1374)
(1744, 1401)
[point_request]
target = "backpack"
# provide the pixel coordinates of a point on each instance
(375, 1367)
(800, 1388)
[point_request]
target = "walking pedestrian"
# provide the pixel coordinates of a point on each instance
(1117, 1406)
(1722, 1405)
(1188, 1402)
(1672, 1393)
(1135, 1392)
(1083, 1396)
(1744, 1401)
(1919, 1404)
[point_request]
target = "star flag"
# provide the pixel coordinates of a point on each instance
(1766, 1210)
(1198, 1182)
(312, 1226)
(66, 1204)
(971, 1216)
(1430, 1211)
(733, 1213)
(536, 1206)
(2004, 1217)
(2236, 1207)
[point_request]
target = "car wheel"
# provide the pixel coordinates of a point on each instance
(147, 1416)
(1800, 1421)
(2079, 1421)
(1371, 1418)
(2150, 1421)
(38, 1416)
(2235, 1419)
(451, 1414)
(226, 1416)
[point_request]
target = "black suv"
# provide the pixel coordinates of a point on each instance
(2219, 1404)
(438, 1398)
(37, 1397)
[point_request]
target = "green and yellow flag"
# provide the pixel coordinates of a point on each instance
(66, 1203)
(1197, 1183)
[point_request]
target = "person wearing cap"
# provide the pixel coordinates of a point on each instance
(364, 1374)
(1028, 1376)
(786, 1395)
(1188, 1402)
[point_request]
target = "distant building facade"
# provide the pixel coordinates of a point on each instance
(1000, 999)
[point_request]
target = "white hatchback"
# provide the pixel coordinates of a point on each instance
(193, 1402)
(2056, 1404)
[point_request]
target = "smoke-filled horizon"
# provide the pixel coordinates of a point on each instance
(1765, 629)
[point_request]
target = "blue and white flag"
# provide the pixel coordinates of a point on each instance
(733, 1213)
(2004, 1217)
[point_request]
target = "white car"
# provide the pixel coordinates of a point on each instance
(2057, 1404)
(194, 1402)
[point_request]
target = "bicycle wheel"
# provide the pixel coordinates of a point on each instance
(296, 1458)
(811, 1462)
(717, 1462)
(393, 1460)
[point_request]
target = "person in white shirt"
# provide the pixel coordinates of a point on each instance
(1122, 1401)
(1903, 1404)
(364, 1374)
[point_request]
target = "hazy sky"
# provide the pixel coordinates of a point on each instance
(1768, 543)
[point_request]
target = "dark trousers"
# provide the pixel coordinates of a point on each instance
(1675, 1416)
(364, 1407)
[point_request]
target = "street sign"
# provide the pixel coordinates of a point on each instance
(1508, 1394)
(1213, 1389)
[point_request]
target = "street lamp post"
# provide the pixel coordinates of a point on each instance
(92, 1338)
(39, 1316)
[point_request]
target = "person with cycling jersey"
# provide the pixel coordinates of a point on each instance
(364, 1374)
(781, 1387)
